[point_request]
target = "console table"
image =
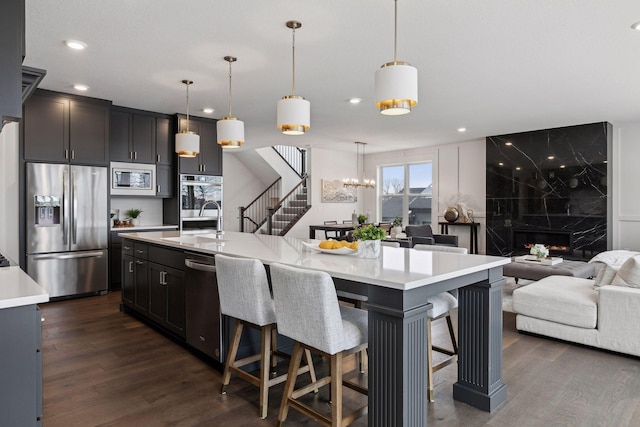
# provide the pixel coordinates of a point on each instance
(473, 232)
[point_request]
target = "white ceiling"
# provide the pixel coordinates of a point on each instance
(492, 66)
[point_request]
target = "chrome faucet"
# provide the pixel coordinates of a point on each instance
(219, 220)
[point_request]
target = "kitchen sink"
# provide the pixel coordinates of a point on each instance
(193, 240)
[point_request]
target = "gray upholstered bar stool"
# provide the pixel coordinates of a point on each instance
(307, 311)
(443, 303)
(244, 294)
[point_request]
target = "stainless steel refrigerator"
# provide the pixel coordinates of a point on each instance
(67, 228)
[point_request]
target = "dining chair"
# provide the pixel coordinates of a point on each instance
(244, 294)
(330, 234)
(442, 303)
(386, 226)
(308, 312)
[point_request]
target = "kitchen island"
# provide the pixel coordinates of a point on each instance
(397, 285)
(20, 343)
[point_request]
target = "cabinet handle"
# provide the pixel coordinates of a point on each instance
(130, 266)
(157, 158)
(139, 262)
(73, 154)
(127, 247)
(204, 168)
(158, 188)
(135, 155)
(66, 153)
(140, 251)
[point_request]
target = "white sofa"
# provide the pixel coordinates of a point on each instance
(573, 309)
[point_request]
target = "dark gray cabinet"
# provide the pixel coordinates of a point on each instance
(209, 160)
(165, 181)
(165, 152)
(153, 284)
(133, 136)
(63, 128)
(11, 56)
(20, 366)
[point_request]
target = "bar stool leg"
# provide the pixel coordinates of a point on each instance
(294, 365)
(231, 357)
(312, 370)
(274, 348)
(336, 389)
(265, 361)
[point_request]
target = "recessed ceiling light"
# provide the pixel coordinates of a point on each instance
(550, 157)
(604, 161)
(75, 44)
(208, 110)
(562, 166)
(636, 26)
(462, 129)
(81, 87)
(518, 168)
(355, 100)
(500, 164)
(508, 144)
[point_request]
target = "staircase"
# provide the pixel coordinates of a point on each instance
(291, 208)
(269, 215)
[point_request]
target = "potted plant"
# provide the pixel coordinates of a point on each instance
(133, 215)
(362, 218)
(397, 225)
(369, 237)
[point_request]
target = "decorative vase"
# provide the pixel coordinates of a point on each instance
(369, 248)
(396, 230)
(539, 251)
(451, 214)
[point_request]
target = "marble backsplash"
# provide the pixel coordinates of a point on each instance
(550, 185)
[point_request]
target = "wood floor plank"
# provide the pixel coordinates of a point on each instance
(102, 367)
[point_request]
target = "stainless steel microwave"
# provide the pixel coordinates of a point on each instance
(133, 179)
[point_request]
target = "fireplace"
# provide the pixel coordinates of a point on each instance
(559, 243)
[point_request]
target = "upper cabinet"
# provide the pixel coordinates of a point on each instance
(64, 128)
(11, 56)
(209, 160)
(132, 136)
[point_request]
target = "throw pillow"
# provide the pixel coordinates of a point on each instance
(629, 273)
(609, 262)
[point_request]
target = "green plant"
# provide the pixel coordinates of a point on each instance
(133, 213)
(397, 222)
(369, 232)
(362, 218)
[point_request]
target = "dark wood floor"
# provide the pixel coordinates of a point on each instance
(104, 368)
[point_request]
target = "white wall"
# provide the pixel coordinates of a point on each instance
(9, 185)
(626, 186)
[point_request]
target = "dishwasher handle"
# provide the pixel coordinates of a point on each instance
(197, 265)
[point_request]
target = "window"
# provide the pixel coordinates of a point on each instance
(410, 202)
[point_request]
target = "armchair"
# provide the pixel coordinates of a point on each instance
(423, 234)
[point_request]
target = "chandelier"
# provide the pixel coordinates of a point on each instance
(355, 182)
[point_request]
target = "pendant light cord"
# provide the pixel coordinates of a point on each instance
(230, 89)
(187, 107)
(395, 32)
(293, 63)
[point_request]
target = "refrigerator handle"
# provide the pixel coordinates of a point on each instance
(93, 254)
(65, 219)
(74, 208)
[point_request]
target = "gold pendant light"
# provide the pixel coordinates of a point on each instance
(187, 143)
(294, 112)
(230, 130)
(396, 82)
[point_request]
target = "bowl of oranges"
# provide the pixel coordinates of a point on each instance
(336, 247)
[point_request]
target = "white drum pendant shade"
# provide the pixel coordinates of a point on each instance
(396, 88)
(230, 132)
(187, 144)
(294, 115)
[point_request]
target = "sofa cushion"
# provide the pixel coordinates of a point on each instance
(629, 273)
(562, 299)
(608, 263)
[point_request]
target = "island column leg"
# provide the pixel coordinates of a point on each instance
(480, 344)
(397, 366)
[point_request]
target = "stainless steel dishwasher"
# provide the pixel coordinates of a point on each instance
(204, 322)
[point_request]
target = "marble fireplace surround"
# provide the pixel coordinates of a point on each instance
(549, 186)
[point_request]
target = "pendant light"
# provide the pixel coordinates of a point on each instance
(396, 82)
(187, 142)
(355, 182)
(294, 112)
(229, 129)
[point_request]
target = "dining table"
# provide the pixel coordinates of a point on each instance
(340, 229)
(397, 285)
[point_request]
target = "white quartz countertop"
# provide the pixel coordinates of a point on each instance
(397, 268)
(18, 289)
(144, 227)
